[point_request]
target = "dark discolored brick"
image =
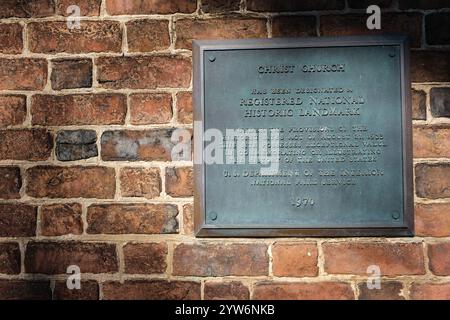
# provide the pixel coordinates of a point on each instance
(76, 145)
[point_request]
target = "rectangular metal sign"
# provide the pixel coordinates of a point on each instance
(303, 137)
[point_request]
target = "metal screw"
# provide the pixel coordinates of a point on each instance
(212, 58)
(213, 215)
(396, 215)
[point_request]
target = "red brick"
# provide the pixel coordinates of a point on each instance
(430, 291)
(210, 260)
(185, 107)
(151, 290)
(432, 220)
(150, 108)
(148, 72)
(148, 145)
(294, 26)
(224, 28)
(60, 219)
(92, 36)
(71, 74)
(423, 4)
(419, 108)
(218, 6)
(431, 142)
(363, 4)
(439, 255)
(145, 258)
(9, 258)
(303, 291)
(56, 257)
(87, 7)
(188, 219)
(25, 144)
(17, 220)
(436, 28)
(122, 7)
(355, 24)
(304, 5)
(393, 258)
(294, 259)
(13, 110)
(89, 291)
(148, 35)
(24, 290)
(390, 290)
(432, 180)
(11, 38)
(78, 109)
(140, 182)
(71, 182)
(232, 290)
(180, 181)
(23, 74)
(10, 183)
(430, 66)
(132, 219)
(27, 8)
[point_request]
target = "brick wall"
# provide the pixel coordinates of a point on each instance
(86, 117)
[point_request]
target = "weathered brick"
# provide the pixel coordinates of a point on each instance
(220, 260)
(188, 219)
(71, 182)
(440, 102)
(432, 220)
(363, 4)
(148, 145)
(419, 108)
(54, 257)
(150, 108)
(439, 255)
(151, 290)
(10, 182)
(145, 258)
(432, 180)
(225, 28)
(78, 109)
(390, 290)
(25, 144)
(17, 220)
(92, 36)
(180, 181)
(60, 219)
(23, 74)
(140, 182)
(304, 5)
(430, 66)
(436, 28)
(231, 290)
(123, 7)
(148, 72)
(71, 73)
(11, 38)
(87, 7)
(355, 24)
(430, 291)
(392, 258)
(76, 145)
(13, 110)
(220, 6)
(294, 26)
(89, 291)
(302, 291)
(185, 107)
(132, 219)
(148, 35)
(25, 290)
(9, 258)
(294, 259)
(423, 4)
(27, 8)
(431, 142)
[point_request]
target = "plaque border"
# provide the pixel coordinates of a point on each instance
(201, 229)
